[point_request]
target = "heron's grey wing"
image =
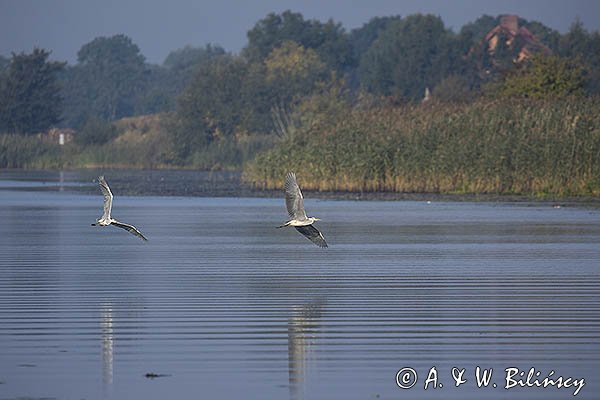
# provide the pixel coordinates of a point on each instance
(108, 197)
(312, 234)
(130, 228)
(293, 198)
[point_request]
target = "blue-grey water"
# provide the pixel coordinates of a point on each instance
(219, 304)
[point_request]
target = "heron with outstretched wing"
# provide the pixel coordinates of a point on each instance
(294, 202)
(106, 219)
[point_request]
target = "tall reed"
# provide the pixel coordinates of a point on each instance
(489, 146)
(17, 151)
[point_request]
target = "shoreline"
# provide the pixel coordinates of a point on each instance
(195, 183)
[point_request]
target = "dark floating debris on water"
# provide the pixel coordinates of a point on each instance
(152, 375)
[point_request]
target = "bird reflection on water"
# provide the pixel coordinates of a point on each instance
(303, 331)
(106, 324)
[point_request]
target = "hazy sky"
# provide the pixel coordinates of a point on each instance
(158, 27)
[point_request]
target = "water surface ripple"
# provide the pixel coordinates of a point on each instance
(220, 304)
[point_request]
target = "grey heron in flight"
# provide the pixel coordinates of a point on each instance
(106, 219)
(294, 201)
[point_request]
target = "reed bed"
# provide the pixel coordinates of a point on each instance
(18, 151)
(488, 146)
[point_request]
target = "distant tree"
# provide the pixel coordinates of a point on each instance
(180, 65)
(328, 39)
(78, 96)
(293, 72)
(109, 77)
(585, 46)
(575, 41)
(258, 98)
(4, 63)
(164, 83)
(548, 36)
(470, 39)
(362, 38)
(212, 106)
(474, 32)
(159, 92)
(189, 56)
(30, 100)
(545, 77)
(408, 56)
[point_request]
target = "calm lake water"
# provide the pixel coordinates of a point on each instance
(219, 304)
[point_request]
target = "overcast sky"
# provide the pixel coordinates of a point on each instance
(158, 27)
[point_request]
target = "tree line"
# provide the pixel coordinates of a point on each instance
(236, 104)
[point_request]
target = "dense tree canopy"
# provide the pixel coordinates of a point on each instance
(179, 66)
(474, 32)
(4, 63)
(164, 83)
(211, 106)
(408, 56)
(545, 77)
(30, 98)
(581, 44)
(362, 38)
(106, 82)
(293, 71)
(188, 57)
(214, 94)
(328, 39)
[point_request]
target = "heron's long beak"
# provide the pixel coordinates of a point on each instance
(317, 219)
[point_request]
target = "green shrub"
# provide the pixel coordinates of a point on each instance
(95, 131)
